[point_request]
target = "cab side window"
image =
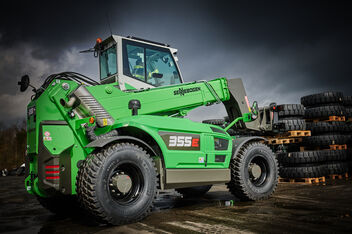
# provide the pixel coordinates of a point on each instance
(150, 64)
(108, 62)
(136, 63)
(161, 69)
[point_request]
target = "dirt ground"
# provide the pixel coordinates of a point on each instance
(293, 209)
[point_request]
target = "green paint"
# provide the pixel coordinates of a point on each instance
(129, 87)
(57, 138)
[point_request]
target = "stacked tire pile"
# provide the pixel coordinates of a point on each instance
(347, 102)
(295, 164)
(317, 159)
(291, 117)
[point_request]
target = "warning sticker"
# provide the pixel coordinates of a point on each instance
(47, 138)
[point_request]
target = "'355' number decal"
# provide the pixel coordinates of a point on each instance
(181, 141)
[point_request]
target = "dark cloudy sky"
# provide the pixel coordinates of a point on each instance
(281, 49)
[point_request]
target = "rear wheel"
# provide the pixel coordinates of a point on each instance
(254, 172)
(118, 185)
(194, 191)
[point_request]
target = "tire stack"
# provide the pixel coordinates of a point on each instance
(314, 157)
(295, 164)
(291, 117)
(347, 102)
(319, 107)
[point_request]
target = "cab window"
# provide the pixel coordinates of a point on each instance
(108, 62)
(136, 63)
(150, 64)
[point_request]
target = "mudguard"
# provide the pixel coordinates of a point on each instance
(239, 142)
(104, 141)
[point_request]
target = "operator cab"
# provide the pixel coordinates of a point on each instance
(136, 63)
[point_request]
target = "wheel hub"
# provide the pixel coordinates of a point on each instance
(255, 171)
(122, 182)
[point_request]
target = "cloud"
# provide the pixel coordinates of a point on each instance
(20, 60)
(282, 51)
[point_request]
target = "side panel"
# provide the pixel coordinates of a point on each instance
(180, 178)
(178, 141)
(54, 168)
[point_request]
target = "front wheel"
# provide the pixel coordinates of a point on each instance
(254, 172)
(118, 185)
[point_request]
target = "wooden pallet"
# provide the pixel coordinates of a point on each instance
(338, 147)
(340, 177)
(328, 147)
(328, 119)
(299, 133)
(281, 141)
(316, 180)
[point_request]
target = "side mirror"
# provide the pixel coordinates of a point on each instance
(157, 75)
(24, 83)
(255, 109)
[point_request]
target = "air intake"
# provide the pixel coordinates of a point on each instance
(92, 106)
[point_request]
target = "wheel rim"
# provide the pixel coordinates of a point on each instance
(125, 183)
(258, 170)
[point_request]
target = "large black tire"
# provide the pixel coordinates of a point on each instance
(290, 110)
(304, 171)
(308, 157)
(347, 100)
(325, 111)
(322, 98)
(218, 122)
(60, 204)
(197, 191)
(324, 140)
(348, 128)
(105, 200)
(326, 127)
(291, 124)
(348, 112)
(248, 185)
(337, 168)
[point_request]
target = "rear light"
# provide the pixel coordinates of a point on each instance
(52, 177)
(52, 172)
(52, 166)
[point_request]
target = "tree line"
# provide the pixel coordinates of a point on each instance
(12, 145)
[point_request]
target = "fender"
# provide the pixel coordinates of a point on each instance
(99, 143)
(239, 142)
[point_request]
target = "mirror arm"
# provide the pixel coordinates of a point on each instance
(34, 88)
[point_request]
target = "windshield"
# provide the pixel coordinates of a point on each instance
(150, 64)
(108, 62)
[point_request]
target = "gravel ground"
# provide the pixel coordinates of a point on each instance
(293, 209)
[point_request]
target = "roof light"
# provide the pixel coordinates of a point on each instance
(99, 40)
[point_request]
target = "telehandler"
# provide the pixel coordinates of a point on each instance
(114, 144)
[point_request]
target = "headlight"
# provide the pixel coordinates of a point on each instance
(30, 112)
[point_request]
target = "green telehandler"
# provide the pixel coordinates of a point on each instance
(113, 144)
